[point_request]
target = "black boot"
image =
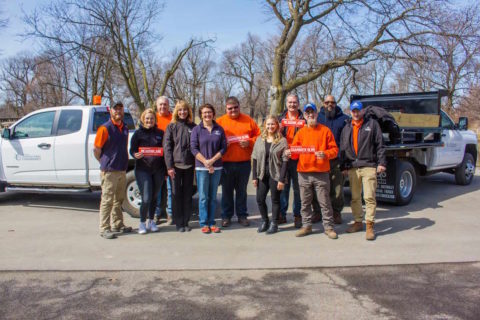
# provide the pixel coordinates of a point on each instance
(273, 228)
(263, 227)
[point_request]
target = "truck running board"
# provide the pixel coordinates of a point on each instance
(47, 190)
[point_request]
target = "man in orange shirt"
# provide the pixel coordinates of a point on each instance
(318, 147)
(164, 202)
(110, 149)
(241, 132)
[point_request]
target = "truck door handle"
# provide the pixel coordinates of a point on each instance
(44, 145)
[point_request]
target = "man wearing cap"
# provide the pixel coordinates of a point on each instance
(333, 117)
(362, 156)
(241, 132)
(110, 149)
(164, 202)
(317, 147)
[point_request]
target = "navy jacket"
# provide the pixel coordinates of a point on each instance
(336, 124)
(114, 155)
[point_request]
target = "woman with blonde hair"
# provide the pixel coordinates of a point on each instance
(269, 171)
(146, 148)
(180, 163)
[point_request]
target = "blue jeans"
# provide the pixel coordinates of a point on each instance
(207, 185)
(235, 179)
(149, 185)
(162, 198)
(292, 180)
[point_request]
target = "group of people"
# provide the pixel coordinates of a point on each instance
(309, 150)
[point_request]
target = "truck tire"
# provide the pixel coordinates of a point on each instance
(405, 183)
(466, 171)
(132, 201)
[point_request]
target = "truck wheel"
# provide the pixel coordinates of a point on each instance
(405, 183)
(465, 172)
(132, 201)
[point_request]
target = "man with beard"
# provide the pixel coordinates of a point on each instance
(315, 146)
(333, 117)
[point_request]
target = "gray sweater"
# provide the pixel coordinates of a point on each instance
(275, 160)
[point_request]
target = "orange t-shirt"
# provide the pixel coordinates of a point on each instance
(322, 139)
(243, 125)
(102, 134)
(356, 124)
(163, 121)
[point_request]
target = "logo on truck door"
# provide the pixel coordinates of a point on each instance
(27, 157)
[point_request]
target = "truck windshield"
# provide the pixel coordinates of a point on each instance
(100, 118)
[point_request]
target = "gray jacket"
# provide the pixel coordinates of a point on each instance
(274, 162)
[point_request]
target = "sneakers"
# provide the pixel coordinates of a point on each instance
(206, 229)
(355, 227)
(304, 231)
(152, 226)
(331, 234)
(226, 222)
(123, 229)
(107, 234)
(215, 229)
(169, 220)
(142, 228)
(158, 220)
(243, 221)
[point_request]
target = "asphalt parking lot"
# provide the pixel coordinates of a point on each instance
(424, 264)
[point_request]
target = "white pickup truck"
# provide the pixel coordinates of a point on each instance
(51, 150)
(427, 142)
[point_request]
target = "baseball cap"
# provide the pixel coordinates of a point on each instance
(310, 106)
(356, 105)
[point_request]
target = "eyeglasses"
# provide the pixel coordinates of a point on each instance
(232, 108)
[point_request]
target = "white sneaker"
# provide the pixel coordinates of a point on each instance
(142, 229)
(152, 226)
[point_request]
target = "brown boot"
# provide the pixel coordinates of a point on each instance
(355, 227)
(331, 234)
(370, 234)
(337, 217)
(304, 231)
(298, 222)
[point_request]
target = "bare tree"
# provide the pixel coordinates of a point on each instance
(388, 24)
(125, 26)
(242, 64)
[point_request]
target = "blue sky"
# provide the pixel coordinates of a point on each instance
(228, 21)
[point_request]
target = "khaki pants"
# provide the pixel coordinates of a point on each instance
(113, 191)
(365, 178)
(318, 183)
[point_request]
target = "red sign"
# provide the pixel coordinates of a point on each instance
(151, 151)
(300, 150)
(234, 139)
(293, 123)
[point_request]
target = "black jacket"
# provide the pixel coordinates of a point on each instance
(176, 144)
(152, 137)
(370, 146)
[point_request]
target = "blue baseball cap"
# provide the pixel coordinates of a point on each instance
(356, 105)
(310, 106)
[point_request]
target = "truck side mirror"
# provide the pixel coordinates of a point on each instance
(462, 123)
(6, 133)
